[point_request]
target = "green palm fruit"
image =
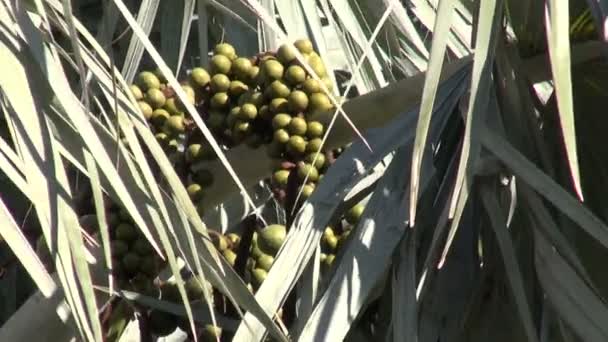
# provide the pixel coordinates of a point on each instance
(220, 64)
(281, 120)
(174, 125)
(264, 262)
(258, 275)
(195, 191)
(295, 75)
(216, 120)
(314, 145)
(319, 102)
(311, 86)
(219, 241)
(315, 129)
(279, 105)
(148, 266)
(159, 117)
(248, 112)
(136, 92)
(329, 260)
(200, 77)
(219, 83)
(307, 190)
(257, 99)
(237, 88)
(194, 153)
(226, 50)
(277, 89)
(241, 67)
(241, 129)
(172, 106)
(252, 74)
(272, 70)
(211, 333)
(234, 239)
(156, 98)
(147, 80)
(265, 113)
(163, 139)
(230, 256)
(271, 238)
(297, 126)
(286, 54)
(219, 100)
(142, 247)
(322, 258)
(172, 147)
(162, 323)
(317, 65)
(353, 215)
(119, 248)
(328, 83)
(304, 46)
(298, 101)
(280, 177)
(305, 169)
(146, 109)
(281, 136)
(296, 145)
(130, 262)
(126, 232)
(161, 77)
(319, 163)
(330, 241)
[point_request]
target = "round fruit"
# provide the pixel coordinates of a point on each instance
(330, 242)
(241, 66)
(211, 333)
(279, 105)
(319, 163)
(119, 248)
(155, 98)
(237, 88)
(297, 126)
(163, 139)
(174, 125)
(130, 262)
(315, 129)
(256, 99)
(281, 120)
(220, 64)
(195, 191)
(248, 112)
(159, 117)
(272, 70)
(216, 120)
(173, 106)
(311, 86)
(242, 128)
(219, 83)
(265, 113)
(317, 65)
(136, 91)
(162, 323)
(280, 177)
(353, 215)
(147, 80)
(307, 190)
(328, 83)
(298, 101)
(286, 54)
(277, 89)
(219, 100)
(314, 145)
(252, 74)
(142, 247)
(230, 256)
(194, 153)
(200, 77)
(296, 144)
(305, 169)
(319, 102)
(194, 289)
(329, 259)
(148, 266)
(146, 109)
(158, 73)
(264, 262)
(259, 275)
(225, 49)
(304, 45)
(281, 136)
(271, 238)
(295, 75)
(126, 232)
(234, 239)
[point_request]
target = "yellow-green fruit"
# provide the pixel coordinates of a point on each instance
(119, 248)
(220, 64)
(307, 190)
(305, 169)
(314, 145)
(281, 120)
(319, 163)
(353, 215)
(265, 113)
(147, 80)
(219, 83)
(230, 256)
(200, 77)
(219, 241)
(225, 49)
(242, 128)
(219, 100)
(211, 333)
(241, 66)
(264, 262)
(279, 105)
(194, 288)
(286, 54)
(317, 65)
(297, 126)
(328, 83)
(195, 191)
(159, 117)
(281, 136)
(136, 92)
(173, 147)
(162, 323)
(277, 89)
(155, 98)
(322, 257)
(330, 241)
(257, 99)
(234, 239)
(130, 262)
(126, 232)
(146, 109)
(296, 144)
(319, 102)
(343, 238)
(295, 75)
(329, 260)
(304, 45)
(248, 112)
(298, 101)
(255, 253)
(252, 74)
(194, 153)
(280, 177)
(311, 86)
(163, 139)
(172, 106)
(271, 238)
(237, 88)
(315, 129)
(258, 275)
(216, 120)
(161, 77)
(174, 125)
(272, 70)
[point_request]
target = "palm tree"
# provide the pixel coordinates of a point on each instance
(469, 131)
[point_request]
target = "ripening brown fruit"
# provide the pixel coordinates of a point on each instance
(286, 54)
(220, 64)
(281, 136)
(297, 126)
(219, 100)
(296, 145)
(147, 80)
(136, 92)
(155, 98)
(281, 120)
(305, 169)
(226, 50)
(277, 89)
(248, 112)
(200, 77)
(298, 101)
(279, 105)
(146, 109)
(304, 46)
(219, 83)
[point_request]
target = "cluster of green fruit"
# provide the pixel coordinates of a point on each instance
(334, 237)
